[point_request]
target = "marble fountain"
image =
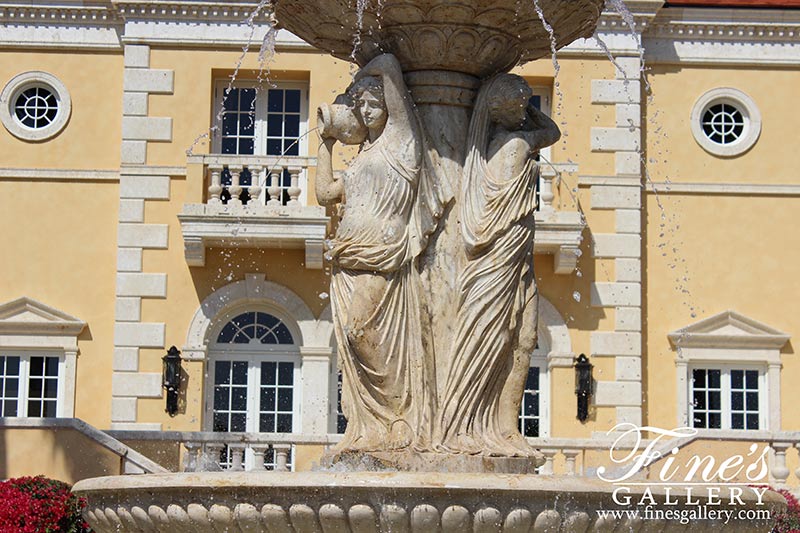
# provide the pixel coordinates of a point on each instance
(432, 291)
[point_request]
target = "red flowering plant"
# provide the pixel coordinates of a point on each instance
(40, 505)
(789, 521)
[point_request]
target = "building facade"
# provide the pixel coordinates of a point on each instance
(164, 180)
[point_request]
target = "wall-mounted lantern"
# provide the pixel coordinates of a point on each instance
(583, 385)
(172, 378)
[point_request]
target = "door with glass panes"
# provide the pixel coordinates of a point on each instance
(262, 120)
(253, 375)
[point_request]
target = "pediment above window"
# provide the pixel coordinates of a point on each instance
(728, 329)
(26, 316)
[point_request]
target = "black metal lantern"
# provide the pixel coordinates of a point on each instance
(172, 378)
(583, 385)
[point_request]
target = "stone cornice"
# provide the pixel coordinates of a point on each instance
(58, 14)
(208, 11)
(735, 25)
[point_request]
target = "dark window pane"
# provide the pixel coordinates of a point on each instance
(238, 422)
(50, 388)
(228, 146)
(699, 378)
(752, 421)
(700, 400)
(285, 400)
(241, 338)
(737, 379)
(275, 100)
(37, 366)
(285, 373)
(239, 399)
(292, 101)
(231, 101)
(268, 373)
(699, 420)
(751, 379)
(244, 319)
(247, 124)
(10, 408)
(714, 400)
(240, 372)
(261, 331)
(222, 373)
(221, 399)
(713, 379)
(274, 147)
(247, 99)
(12, 366)
(246, 146)
(714, 420)
(737, 401)
(341, 424)
(752, 401)
(292, 126)
(267, 423)
(34, 388)
(275, 125)
(34, 408)
(291, 147)
(531, 428)
(530, 402)
(51, 367)
(49, 409)
(267, 399)
(284, 424)
(737, 421)
(283, 335)
(268, 320)
(230, 124)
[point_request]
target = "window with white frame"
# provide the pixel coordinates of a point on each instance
(38, 359)
(260, 119)
(255, 368)
(728, 397)
(534, 409)
(29, 384)
(541, 101)
(728, 373)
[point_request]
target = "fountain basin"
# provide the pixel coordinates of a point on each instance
(382, 501)
(476, 37)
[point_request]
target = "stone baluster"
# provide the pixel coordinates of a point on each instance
(215, 189)
(549, 456)
(190, 459)
(237, 457)
(282, 452)
(259, 450)
(779, 470)
(571, 455)
(212, 455)
(294, 190)
(235, 189)
(274, 189)
(255, 187)
(546, 193)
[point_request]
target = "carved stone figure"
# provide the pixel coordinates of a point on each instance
(388, 389)
(496, 325)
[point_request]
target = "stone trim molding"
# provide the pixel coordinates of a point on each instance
(57, 174)
(24, 81)
(749, 189)
(730, 338)
(314, 332)
(750, 113)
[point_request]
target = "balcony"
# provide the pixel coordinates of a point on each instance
(252, 201)
(261, 201)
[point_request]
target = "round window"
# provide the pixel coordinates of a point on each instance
(34, 106)
(725, 122)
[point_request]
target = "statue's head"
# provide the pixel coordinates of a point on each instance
(370, 103)
(508, 101)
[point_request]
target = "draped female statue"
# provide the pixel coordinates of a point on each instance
(388, 209)
(496, 327)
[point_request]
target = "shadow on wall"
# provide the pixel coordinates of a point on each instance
(58, 453)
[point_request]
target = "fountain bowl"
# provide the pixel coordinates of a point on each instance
(376, 501)
(476, 37)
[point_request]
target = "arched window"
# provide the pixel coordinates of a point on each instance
(254, 368)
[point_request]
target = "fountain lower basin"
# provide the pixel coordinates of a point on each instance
(383, 501)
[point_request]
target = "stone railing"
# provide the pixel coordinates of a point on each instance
(254, 180)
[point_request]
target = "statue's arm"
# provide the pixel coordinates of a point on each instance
(329, 189)
(402, 121)
(543, 132)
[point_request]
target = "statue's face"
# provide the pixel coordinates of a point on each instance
(372, 109)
